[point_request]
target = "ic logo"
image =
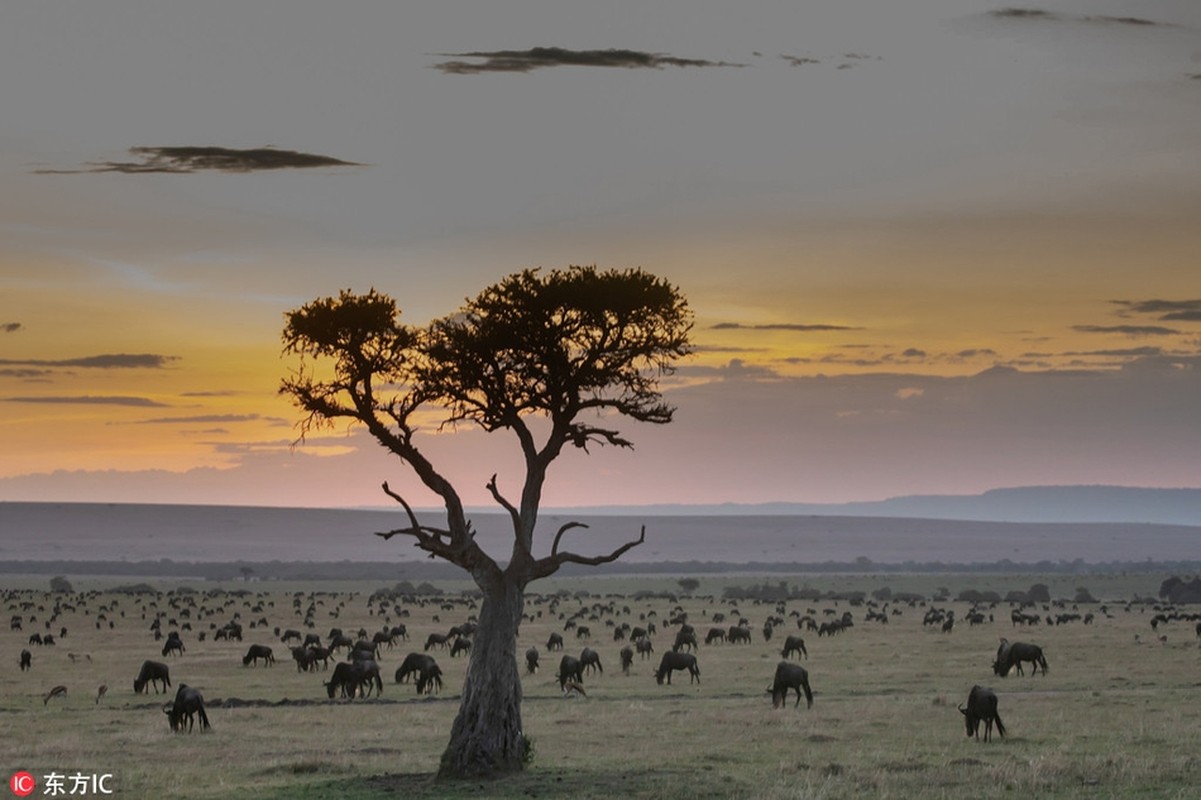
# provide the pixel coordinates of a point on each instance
(22, 784)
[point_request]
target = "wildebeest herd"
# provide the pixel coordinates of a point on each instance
(348, 664)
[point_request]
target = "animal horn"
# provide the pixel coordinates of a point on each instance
(963, 710)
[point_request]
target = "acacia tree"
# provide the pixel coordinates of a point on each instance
(574, 349)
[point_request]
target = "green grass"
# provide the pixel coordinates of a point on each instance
(1114, 718)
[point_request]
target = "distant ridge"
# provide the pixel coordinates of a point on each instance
(1015, 504)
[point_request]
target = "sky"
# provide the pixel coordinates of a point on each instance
(932, 246)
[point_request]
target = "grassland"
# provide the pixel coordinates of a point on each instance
(1116, 716)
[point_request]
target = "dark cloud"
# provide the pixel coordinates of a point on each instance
(1022, 13)
(1128, 330)
(782, 326)
(10, 327)
(204, 418)
(914, 352)
(1038, 13)
(1168, 310)
(25, 373)
(539, 57)
(799, 61)
(183, 160)
(975, 352)
(91, 400)
(217, 393)
(110, 361)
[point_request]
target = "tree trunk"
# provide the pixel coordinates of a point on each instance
(486, 738)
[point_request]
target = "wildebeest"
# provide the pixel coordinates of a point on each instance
(673, 661)
(438, 639)
(355, 677)
(188, 704)
(794, 644)
(26, 660)
(737, 634)
(627, 659)
(684, 638)
(461, 645)
(554, 642)
(590, 659)
(152, 673)
(981, 706)
(1010, 655)
(256, 652)
(428, 673)
(645, 647)
(790, 676)
(715, 635)
(531, 660)
(173, 644)
(570, 668)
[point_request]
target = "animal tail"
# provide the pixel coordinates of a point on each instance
(1042, 662)
(808, 693)
(1000, 725)
(204, 719)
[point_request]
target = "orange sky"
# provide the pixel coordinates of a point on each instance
(946, 191)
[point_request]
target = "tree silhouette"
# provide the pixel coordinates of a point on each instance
(576, 349)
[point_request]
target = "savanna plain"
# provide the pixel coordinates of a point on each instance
(1115, 716)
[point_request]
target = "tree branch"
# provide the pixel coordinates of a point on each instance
(554, 548)
(428, 538)
(549, 565)
(496, 495)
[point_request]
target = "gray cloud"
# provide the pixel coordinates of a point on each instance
(1128, 330)
(205, 418)
(1038, 13)
(25, 373)
(10, 327)
(799, 61)
(1169, 310)
(974, 352)
(109, 361)
(183, 160)
(91, 400)
(738, 326)
(539, 57)
(914, 352)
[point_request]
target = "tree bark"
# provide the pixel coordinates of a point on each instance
(486, 738)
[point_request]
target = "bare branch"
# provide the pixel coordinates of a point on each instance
(496, 495)
(549, 565)
(554, 548)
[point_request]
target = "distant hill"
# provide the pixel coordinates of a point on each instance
(1018, 504)
(143, 532)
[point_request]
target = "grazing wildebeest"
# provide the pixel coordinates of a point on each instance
(461, 645)
(311, 640)
(590, 659)
(364, 650)
(981, 706)
(738, 634)
(531, 660)
(684, 638)
(152, 673)
(672, 661)
(57, 691)
(1010, 655)
(555, 642)
(188, 704)
(439, 639)
(26, 660)
(429, 674)
(790, 676)
(355, 677)
(570, 668)
(715, 635)
(173, 645)
(627, 659)
(256, 652)
(290, 634)
(645, 647)
(583, 632)
(794, 644)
